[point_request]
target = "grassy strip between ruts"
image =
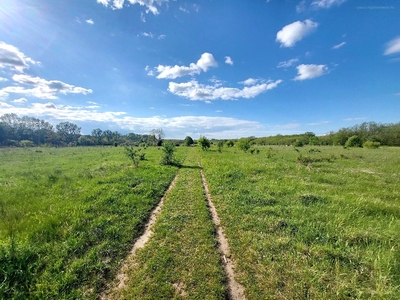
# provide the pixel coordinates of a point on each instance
(68, 217)
(325, 227)
(181, 260)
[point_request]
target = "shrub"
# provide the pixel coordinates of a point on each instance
(188, 141)
(203, 143)
(168, 156)
(230, 143)
(371, 145)
(353, 141)
(298, 143)
(244, 144)
(220, 145)
(135, 155)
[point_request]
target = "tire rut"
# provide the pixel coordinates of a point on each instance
(235, 289)
(139, 243)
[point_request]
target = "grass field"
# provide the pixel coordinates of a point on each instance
(306, 223)
(316, 223)
(68, 216)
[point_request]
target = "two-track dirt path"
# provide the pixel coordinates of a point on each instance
(187, 179)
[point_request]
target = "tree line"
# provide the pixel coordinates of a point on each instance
(384, 134)
(28, 132)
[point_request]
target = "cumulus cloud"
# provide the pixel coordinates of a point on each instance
(41, 88)
(195, 91)
(339, 45)
(393, 46)
(12, 58)
(288, 63)
(305, 72)
(228, 60)
(119, 4)
(290, 34)
(90, 21)
(203, 64)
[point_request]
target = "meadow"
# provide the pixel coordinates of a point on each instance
(311, 222)
(302, 223)
(68, 217)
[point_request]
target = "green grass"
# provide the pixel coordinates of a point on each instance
(68, 217)
(322, 226)
(181, 260)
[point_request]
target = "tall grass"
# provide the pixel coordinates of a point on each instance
(69, 217)
(311, 224)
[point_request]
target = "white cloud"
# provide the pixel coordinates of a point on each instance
(289, 35)
(149, 4)
(20, 100)
(162, 36)
(339, 45)
(183, 9)
(195, 91)
(176, 127)
(203, 64)
(288, 63)
(43, 89)
(2, 79)
(12, 58)
(310, 71)
(354, 119)
(393, 46)
(250, 81)
(327, 3)
(318, 123)
(148, 34)
(90, 21)
(142, 18)
(228, 60)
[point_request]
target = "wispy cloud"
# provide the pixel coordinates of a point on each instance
(318, 123)
(90, 21)
(151, 5)
(288, 63)
(195, 91)
(148, 34)
(327, 3)
(354, 119)
(290, 34)
(228, 60)
(339, 45)
(2, 79)
(305, 72)
(393, 46)
(171, 72)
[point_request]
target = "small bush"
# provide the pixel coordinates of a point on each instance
(298, 143)
(353, 141)
(135, 155)
(371, 145)
(168, 156)
(203, 143)
(244, 144)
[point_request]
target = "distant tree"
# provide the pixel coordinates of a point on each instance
(203, 143)
(220, 145)
(107, 136)
(298, 143)
(97, 133)
(157, 136)
(188, 141)
(230, 143)
(68, 131)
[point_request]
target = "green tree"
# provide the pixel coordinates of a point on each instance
(68, 131)
(230, 143)
(204, 143)
(188, 141)
(220, 145)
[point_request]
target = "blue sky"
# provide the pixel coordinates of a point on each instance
(219, 68)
